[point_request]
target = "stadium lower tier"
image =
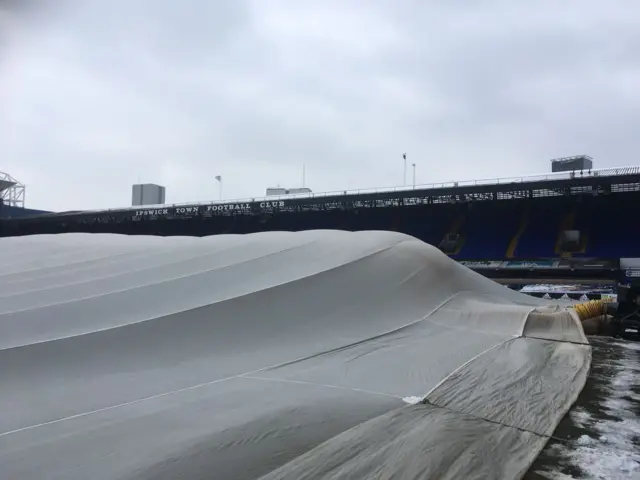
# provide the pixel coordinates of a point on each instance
(607, 226)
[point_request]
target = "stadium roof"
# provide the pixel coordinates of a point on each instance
(507, 184)
(6, 184)
(614, 180)
(489, 184)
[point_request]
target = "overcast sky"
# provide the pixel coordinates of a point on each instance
(96, 95)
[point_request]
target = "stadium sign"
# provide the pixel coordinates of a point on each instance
(630, 263)
(228, 207)
(152, 212)
(531, 265)
(480, 264)
(585, 264)
(208, 210)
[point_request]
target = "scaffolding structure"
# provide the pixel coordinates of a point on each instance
(11, 191)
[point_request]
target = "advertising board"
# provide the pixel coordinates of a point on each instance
(530, 264)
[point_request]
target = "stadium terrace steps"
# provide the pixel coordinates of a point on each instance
(455, 228)
(567, 224)
(513, 244)
(458, 223)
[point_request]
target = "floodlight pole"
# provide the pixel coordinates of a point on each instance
(219, 179)
(404, 157)
(414, 174)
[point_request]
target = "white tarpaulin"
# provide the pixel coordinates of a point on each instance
(275, 355)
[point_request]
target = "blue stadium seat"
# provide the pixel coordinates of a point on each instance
(488, 230)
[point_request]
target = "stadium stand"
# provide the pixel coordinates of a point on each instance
(539, 237)
(489, 229)
(611, 226)
(8, 212)
(606, 225)
(521, 219)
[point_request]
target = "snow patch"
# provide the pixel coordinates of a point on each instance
(585, 440)
(412, 400)
(612, 455)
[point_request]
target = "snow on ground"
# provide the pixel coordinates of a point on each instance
(604, 438)
(549, 288)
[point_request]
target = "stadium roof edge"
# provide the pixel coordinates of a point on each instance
(595, 173)
(6, 184)
(508, 183)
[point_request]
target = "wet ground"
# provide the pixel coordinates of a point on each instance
(600, 437)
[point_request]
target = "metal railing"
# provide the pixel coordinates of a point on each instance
(604, 172)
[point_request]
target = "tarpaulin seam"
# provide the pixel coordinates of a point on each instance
(179, 277)
(495, 422)
(451, 327)
(426, 401)
(391, 332)
(195, 307)
(464, 365)
(142, 250)
(468, 361)
(360, 342)
(117, 256)
(205, 253)
(476, 331)
(338, 387)
(193, 387)
(572, 314)
(572, 342)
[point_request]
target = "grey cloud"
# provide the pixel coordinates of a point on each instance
(179, 92)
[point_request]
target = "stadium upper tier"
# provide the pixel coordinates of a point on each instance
(517, 219)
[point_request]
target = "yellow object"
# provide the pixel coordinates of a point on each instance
(590, 309)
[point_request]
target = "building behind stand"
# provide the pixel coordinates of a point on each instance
(147, 194)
